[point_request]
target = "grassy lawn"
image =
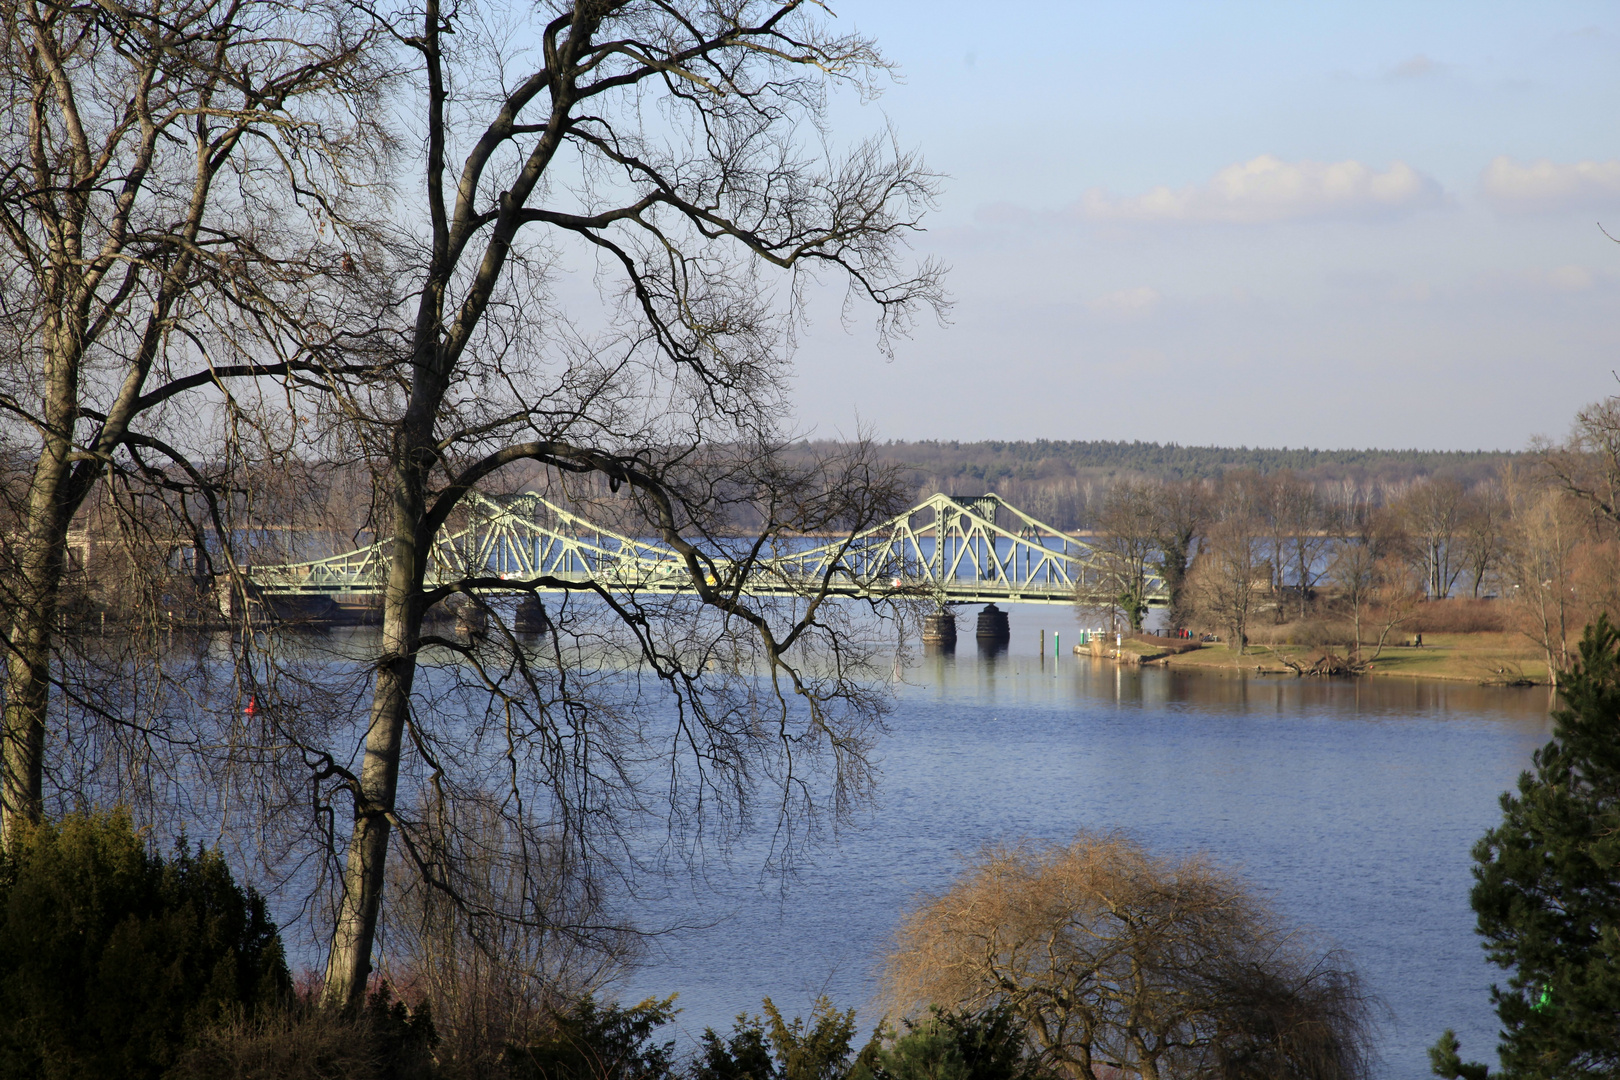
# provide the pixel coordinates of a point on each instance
(1478, 658)
(1475, 657)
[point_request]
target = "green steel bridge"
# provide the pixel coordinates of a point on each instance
(948, 549)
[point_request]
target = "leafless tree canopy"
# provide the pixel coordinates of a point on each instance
(1587, 464)
(624, 205)
(173, 174)
(1128, 546)
(1127, 965)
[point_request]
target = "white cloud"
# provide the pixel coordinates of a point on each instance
(1127, 303)
(1269, 189)
(1542, 186)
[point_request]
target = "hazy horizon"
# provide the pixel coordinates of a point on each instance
(1283, 447)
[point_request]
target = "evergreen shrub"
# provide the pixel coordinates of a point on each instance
(112, 957)
(595, 1042)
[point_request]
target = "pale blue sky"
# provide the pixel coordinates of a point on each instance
(1304, 224)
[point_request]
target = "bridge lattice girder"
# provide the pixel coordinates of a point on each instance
(946, 548)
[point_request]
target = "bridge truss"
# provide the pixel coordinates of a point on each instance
(949, 549)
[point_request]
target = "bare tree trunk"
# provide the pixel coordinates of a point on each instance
(349, 963)
(28, 662)
(37, 580)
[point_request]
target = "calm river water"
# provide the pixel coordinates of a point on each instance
(1352, 804)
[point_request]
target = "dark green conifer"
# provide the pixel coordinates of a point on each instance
(744, 1055)
(961, 1045)
(1547, 888)
(112, 958)
(590, 1041)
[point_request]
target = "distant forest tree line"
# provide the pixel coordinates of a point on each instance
(1066, 483)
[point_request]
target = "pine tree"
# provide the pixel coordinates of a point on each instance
(1547, 887)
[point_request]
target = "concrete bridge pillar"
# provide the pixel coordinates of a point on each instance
(472, 619)
(531, 617)
(467, 616)
(993, 625)
(940, 628)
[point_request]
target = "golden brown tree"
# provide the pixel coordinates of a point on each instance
(1123, 964)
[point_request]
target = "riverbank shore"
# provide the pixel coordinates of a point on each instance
(1499, 659)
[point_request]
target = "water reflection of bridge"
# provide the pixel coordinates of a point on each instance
(948, 549)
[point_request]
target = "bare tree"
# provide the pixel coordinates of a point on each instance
(1304, 519)
(1231, 574)
(492, 981)
(1269, 496)
(1375, 579)
(1229, 578)
(1128, 530)
(1558, 568)
(1548, 526)
(159, 158)
(1183, 515)
(661, 146)
(1397, 594)
(1377, 528)
(1126, 965)
(1485, 522)
(1354, 574)
(1433, 514)
(1587, 464)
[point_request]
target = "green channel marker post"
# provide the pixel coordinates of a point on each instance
(1057, 640)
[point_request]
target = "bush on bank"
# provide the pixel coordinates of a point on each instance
(1128, 965)
(588, 1040)
(614, 1043)
(117, 963)
(110, 955)
(298, 1040)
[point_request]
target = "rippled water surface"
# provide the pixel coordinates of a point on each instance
(1354, 804)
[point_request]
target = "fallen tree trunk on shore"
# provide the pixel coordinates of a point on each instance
(1324, 664)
